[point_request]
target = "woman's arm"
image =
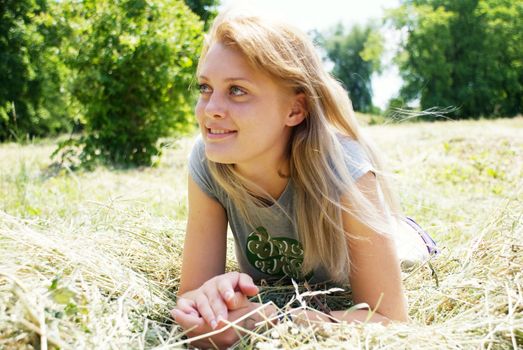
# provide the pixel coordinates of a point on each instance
(205, 291)
(205, 240)
(204, 253)
(375, 274)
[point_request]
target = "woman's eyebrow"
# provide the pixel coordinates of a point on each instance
(238, 79)
(203, 77)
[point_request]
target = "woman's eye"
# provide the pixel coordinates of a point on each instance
(237, 91)
(204, 88)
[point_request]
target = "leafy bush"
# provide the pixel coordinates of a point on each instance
(134, 62)
(33, 98)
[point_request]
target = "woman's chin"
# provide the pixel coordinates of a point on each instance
(219, 158)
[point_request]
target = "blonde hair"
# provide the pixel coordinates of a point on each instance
(317, 162)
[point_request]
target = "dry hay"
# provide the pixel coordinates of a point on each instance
(88, 272)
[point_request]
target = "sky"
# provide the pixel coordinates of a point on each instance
(323, 14)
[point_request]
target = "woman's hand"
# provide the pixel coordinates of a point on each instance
(222, 298)
(195, 325)
(213, 300)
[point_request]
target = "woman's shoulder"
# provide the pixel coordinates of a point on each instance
(199, 169)
(355, 157)
(347, 141)
(198, 147)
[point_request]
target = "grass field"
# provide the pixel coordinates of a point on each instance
(92, 259)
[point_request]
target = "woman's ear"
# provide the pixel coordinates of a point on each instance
(298, 111)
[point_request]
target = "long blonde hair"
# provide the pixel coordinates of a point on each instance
(317, 161)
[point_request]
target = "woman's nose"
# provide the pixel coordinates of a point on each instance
(215, 107)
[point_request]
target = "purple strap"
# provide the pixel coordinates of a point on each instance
(429, 242)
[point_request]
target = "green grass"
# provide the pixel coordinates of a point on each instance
(92, 259)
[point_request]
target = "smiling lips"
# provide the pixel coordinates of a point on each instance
(219, 133)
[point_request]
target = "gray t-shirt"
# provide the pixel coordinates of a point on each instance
(269, 248)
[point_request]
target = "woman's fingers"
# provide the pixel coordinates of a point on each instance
(211, 307)
(226, 289)
(213, 300)
(188, 322)
(187, 305)
(238, 301)
(205, 310)
(218, 305)
(247, 285)
(234, 288)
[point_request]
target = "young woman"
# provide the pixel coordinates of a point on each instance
(282, 161)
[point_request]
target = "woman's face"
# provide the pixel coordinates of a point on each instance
(245, 116)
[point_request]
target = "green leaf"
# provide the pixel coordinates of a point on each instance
(54, 284)
(63, 296)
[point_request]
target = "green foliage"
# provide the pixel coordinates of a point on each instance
(205, 9)
(33, 98)
(356, 55)
(465, 54)
(134, 63)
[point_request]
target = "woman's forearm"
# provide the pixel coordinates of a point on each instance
(246, 317)
(265, 312)
(259, 313)
(360, 316)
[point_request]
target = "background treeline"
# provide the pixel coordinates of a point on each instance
(466, 54)
(121, 71)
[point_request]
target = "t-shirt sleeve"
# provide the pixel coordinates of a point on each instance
(199, 171)
(356, 159)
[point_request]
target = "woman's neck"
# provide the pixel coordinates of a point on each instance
(272, 179)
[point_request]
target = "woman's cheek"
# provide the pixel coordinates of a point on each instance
(198, 111)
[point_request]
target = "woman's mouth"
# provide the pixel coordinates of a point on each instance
(216, 134)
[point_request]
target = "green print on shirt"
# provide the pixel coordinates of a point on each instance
(275, 256)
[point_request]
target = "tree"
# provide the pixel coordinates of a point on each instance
(134, 61)
(356, 55)
(33, 98)
(466, 54)
(205, 9)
